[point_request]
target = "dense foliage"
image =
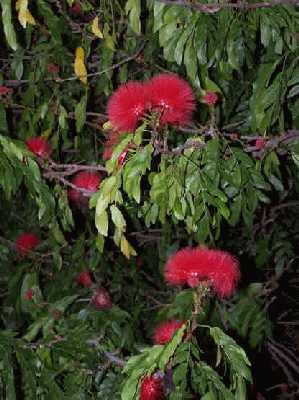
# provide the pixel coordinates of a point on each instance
(102, 184)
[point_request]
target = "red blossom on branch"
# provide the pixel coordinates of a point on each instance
(53, 68)
(87, 180)
(166, 330)
(127, 106)
(191, 266)
(260, 143)
(84, 279)
(76, 9)
(151, 388)
(39, 146)
(101, 299)
(172, 97)
(26, 242)
(210, 98)
(5, 90)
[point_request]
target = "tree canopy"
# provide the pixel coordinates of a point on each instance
(149, 155)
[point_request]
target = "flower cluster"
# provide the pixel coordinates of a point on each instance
(84, 279)
(151, 388)
(191, 266)
(5, 90)
(210, 98)
(166, 330)
(167, 94)
(26, 242)
(101, 299)
(39, 146)
(86, 180)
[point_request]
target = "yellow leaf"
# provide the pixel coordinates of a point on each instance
(30, 18)
(107, 125)
(126, 248)
(95, 28)
(22, 7)
(24, 14)
(80, 69)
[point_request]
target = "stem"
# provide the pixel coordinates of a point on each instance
(199, 295)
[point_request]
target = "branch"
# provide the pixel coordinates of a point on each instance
(72, 168)
(284, 361)
(216, 7)
(189, 144)
(57, 176)
(14, 83)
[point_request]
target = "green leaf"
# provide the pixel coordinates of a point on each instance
(7, 24)
(101, 221)
(80, 113)
(117, 218)
(133, 10)
(8, 376)
(171, 347)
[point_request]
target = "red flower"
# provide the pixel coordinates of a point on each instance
(101, 299)
(26, 242)
(191, 266)
(5, 90)
(260, 143)
(76, 9)
(172, 97)
(151, 388)
(127, 105)
(165, 331)
(29, 294)
(87, 180)
(210, 98)
(39, 146)
(53, 68)
(84, 279)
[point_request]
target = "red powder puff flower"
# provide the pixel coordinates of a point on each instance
(26, 242)
(210, 98)
(191, 266)
(76, 9)
(260, 143)
(87, 180)
(84, 279)
(5, 90)
(126, 106)
(53, 68)
(166, 330)
(29, 294)
(39, 146)
(172, 97)
(151, 388)
(101, 299)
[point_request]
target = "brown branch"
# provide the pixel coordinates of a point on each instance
(57, 176)
(216, 7)
(14, 83)
(283, 358)
(73, 168)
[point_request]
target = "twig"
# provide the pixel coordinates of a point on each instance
(116, 360)
(13, 83)
(281, 355)
(216, 7)
(77, 167)
(58, 177)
